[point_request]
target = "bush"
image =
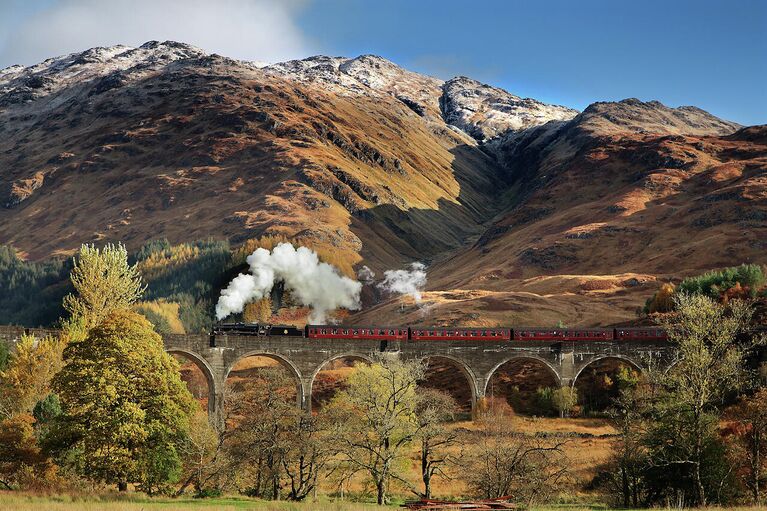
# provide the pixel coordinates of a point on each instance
(715, 283)
(662, 300)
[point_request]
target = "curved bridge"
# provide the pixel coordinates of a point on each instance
(477, 360)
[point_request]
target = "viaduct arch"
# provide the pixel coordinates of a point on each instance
(478, 360)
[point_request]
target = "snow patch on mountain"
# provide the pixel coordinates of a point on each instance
(365, 75)
(484, 111)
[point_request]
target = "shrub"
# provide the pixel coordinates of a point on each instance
(662, 300)
(715, 283)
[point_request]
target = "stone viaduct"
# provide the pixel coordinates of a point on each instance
(477, 360)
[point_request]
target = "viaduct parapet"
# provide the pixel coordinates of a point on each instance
(476, 360)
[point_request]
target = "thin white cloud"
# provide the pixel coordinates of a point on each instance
(262, 30)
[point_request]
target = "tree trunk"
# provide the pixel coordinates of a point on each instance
(425, 475)
(381, 487)
(697, 476)
(757, 464)
(701, 491)
(122, 486)
(625, 484)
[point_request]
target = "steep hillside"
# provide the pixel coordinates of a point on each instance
(526, 212)
(165, 141)
(592, 233)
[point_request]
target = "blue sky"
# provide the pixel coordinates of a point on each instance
(708, 53)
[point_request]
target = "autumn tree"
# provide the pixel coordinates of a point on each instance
(125, 409)
(751, 443)
(374, 419)
(203, 456)
(259, 311)
(684, 437)
(662, 300)
(104, 282)
(28, 373)
(19, 450)
(307, 450)
(261, 413)
(434, 411)
(501, 463)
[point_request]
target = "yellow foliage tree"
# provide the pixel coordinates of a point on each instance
(662, 300)
(103, 282)
(27, 378)
(259, 311)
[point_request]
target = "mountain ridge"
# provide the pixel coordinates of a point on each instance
(380, 166)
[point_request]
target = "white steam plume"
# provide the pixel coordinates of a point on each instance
(315, 284)
(405, 282)
(366, 275)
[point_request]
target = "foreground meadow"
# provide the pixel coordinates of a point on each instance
(20, 502)
(111, 502)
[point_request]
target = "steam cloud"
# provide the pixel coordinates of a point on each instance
(366, 275)
(315, 284)
(405, 282)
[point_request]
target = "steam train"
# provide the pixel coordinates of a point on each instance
(424, 334)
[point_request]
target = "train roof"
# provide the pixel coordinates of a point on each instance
(361, 327)
(563, 329)
(461, 327)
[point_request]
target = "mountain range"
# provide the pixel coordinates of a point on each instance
(524, 212)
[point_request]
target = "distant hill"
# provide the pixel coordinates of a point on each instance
(526, 212)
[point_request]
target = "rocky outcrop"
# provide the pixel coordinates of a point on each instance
(484, 111)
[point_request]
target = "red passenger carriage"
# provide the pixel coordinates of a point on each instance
(641, 334)
(563, 334)
(375, 333)
(459, 334)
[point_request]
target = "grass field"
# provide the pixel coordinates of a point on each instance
(19, 502)
(111, 502)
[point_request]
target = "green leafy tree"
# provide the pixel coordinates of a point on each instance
(684, 439)
(625, 475)
(104, 282)
(203, 457)
(714, 283)
(125, 409)
(46, 411)
(564, 400)
(374, 419)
